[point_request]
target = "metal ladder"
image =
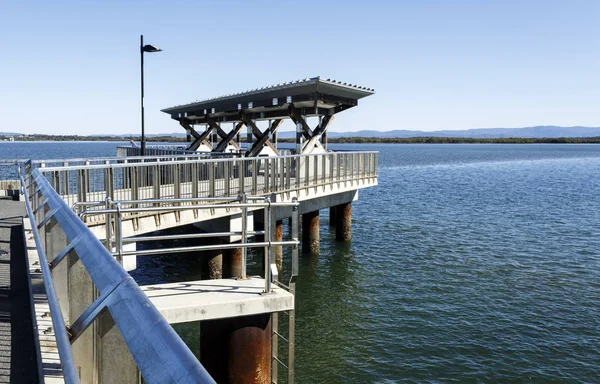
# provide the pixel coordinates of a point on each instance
(291, 315)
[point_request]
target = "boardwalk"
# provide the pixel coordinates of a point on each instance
(18, 362)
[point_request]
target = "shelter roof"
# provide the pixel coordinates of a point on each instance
(312, 96)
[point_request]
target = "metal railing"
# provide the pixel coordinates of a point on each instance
(160, 354)
(9, 176)
(159, 178)
(169, 150)
(115, 212)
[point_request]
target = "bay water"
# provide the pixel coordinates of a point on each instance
(468, 263)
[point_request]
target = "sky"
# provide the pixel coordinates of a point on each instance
(73, 67)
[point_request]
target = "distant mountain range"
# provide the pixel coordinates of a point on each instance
(547, 131)
(479, 133)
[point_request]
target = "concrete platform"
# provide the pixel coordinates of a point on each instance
(216, 299)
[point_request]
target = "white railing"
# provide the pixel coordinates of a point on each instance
(159, 178)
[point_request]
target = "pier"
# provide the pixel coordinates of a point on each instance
(219, 195)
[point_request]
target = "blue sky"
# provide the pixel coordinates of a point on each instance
(72, 67)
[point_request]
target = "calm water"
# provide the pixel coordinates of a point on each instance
(468, 263)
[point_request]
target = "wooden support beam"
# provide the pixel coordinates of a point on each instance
(297, 118)
(258, 145)
(256, 132)
(200, 138)
(322, 128)
(187, 126)
(223, 144)
(213, 125)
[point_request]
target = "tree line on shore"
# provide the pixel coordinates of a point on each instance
(338, 140)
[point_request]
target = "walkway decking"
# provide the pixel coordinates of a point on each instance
(18, 356)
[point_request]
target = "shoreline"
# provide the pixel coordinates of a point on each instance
(339, 140)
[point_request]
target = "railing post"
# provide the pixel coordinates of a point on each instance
(244, 240)
(292, 285)
(211, 179)
(108, 180)
(156, 181)
(255, 165)
(346, 169)
(108, 224)
(282, 177)
(119, 233)
(65, 181)
(267, 174)
(268, 239)
(194, 180)
(241, 171)
(135, 193)
(324, 170)
(306, 170)
(316, 170)
(227, 178)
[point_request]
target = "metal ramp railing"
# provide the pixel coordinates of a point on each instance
(159, 353)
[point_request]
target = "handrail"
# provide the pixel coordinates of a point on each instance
(211, 178)
(136, 159)
(62, 338)
(158, 351)
(194, 159)
(241, 202)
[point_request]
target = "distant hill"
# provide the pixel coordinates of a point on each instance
(543, 131)
(479, 133)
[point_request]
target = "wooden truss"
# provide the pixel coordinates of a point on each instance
(311, 135)
(307, 134)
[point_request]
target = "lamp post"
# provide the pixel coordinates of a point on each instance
(149, 49)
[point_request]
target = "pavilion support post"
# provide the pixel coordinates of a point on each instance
(310, 232)
(343, 225)
(248, 136)
(299, 138)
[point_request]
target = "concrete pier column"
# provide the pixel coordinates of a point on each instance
(310, 232)
(237, 350)
(343, 224)
(212, 261)
(279, 248)
(332, 216)
(232, 263)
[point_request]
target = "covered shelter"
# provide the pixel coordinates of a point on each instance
(295, 100)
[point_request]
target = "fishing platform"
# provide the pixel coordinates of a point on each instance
(216, 197)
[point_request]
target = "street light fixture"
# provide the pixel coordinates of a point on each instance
(149, 49)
